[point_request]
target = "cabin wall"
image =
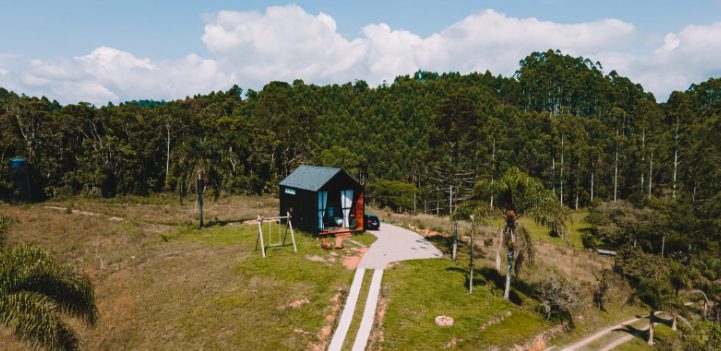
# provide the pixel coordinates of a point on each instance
(303, 207)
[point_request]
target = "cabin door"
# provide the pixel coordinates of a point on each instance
(322, 202)
(346, 199)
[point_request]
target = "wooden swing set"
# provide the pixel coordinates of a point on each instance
(277, 220)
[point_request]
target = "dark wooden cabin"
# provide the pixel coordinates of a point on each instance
(322, 200)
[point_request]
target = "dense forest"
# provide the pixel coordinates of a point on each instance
(589, 136)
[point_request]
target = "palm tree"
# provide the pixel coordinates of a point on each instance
(35, 292)
(528, 197)
(201, 162)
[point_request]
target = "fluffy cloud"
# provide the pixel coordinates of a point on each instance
(690, 56)
(286, 43)
(108, 74)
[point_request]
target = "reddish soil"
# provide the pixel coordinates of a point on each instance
(351, 262)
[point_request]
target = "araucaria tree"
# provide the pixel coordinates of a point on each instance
(649, 276)
(527, 197)
(35, 292)
(454, 135)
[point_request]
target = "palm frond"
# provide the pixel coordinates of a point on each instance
(34, 318)
(528, 197)
(31, 269)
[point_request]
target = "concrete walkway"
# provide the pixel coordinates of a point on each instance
(396, 244)
(393, 244)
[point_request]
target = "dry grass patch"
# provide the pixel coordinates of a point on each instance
(161, 284)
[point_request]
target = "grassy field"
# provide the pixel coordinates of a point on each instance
(162, 284)
(418, 291)
(575, 228)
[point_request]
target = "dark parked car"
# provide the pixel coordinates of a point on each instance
(372, 221)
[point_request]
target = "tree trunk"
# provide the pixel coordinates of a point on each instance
(663, 245)
(470, 280)
(650, 329)
(576, 199)
(650, 175)
(593, 173)
(507, 291)
(553, 174)
(675, 160)
(500, 245)
(455, 239)
(673, 325)
(562, 137)
(643, 156)
(615, 179)
(167, 160)
(200, 186)
(675, 168)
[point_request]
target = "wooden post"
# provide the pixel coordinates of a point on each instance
(260, 236)
(292, 237)
(286, 230)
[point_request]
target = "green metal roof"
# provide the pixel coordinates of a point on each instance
(310, 178)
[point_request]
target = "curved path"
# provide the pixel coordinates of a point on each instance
(608, 330)
(393, 244)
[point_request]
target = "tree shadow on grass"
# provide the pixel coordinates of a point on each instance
(643, 334)
(486, 276)
(219, 223)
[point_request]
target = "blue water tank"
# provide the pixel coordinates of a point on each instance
(18, 163)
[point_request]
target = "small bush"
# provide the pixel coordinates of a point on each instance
(589, 240)
(600, 293)
(559, 296)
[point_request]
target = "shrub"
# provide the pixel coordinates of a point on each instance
(559, 296)
(589, 241)
(600, 293)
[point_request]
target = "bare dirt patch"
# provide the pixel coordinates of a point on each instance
(351, 262)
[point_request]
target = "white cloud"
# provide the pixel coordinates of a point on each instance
(108, 74)
(286, 43)
(687, 57)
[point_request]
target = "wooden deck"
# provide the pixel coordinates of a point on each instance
(335, 231)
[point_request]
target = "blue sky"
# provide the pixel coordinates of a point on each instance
(119, 50)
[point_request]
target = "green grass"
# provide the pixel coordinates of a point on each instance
(663, 337)
(229, 295)
(366, 238)
(575, 228)
(359, 308)
(613, 336)
(418, 291)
